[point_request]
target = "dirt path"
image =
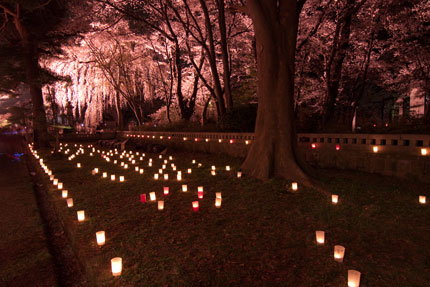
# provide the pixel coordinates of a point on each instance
(25, 259)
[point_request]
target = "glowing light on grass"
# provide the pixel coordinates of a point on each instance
(70, 202)
(218, 195)
(184, 138)
(353, 278)
(125, 166)
(136, 168)
(337, 147)
(179, 176)
(115, 162)
(184, 188)
(166, 190)
(199, 165)
(104, 174)
(239, 174)
(160, 205)
(141, 171)
(60, 186)
(320, 237)
(170, 157)
(149, 163)
(156, 176)
(81, 215)
(116, 264)
(189, 170)
(213, 172)
(64, 193)
(55, 181)
(195, 206)
(246, 142)
(334, 198)
(121, 178)
(160, 171)
(218, 202)
(375, 149)
(78, 165)
(422, 199)
(166, 176)
(220, 140)
(227, 168)
(101, 238)
(339, 252)
(294, 186)
(213, 167)
(152, 196)
(112, 177)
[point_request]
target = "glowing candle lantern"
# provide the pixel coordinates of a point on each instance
(116, 264)
(122, 163)
(121, 178)
(60, 186)
(136, 168)
(141, 171)
(160, 156)
(152, 196)
(353, 278)
(160, 171)
(115, 162)
(101, 238)
(166, 176)
(166, 190)
(200, 188)
(78, 165)
(194, 161)
(422, 199)
(96, 170)
(149, 163)
(104, 174)
(339, 252)
(174, 168)
(55, 182)
(231, 141)
(246, 142)
(227, 168)
(179, 177)
(200, 194)
(133, 161)
(64, 193)
(199, 165)
(70, 202)
(160, 205)
(156, 176)
(218, 195)
(220, 140)
(320, 237)
(423, 151)
(163, 166)
(184, 188)
(375, 149)
(195, 206)
(213, 167)
(294, 186)
(213, 172)
(337, 147)
(143, 198)
(334, 198)
(239, 174)
(125, 166)
(189, 170)
(218, 202)
(314, 146)
(185, 139)
(112, 177)
(81, 215)
(207, 140)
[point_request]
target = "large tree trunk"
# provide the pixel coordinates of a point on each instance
(40, 127)
(274, 149)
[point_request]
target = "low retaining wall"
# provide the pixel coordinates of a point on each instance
(397, 155)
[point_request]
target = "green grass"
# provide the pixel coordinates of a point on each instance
(261, 236)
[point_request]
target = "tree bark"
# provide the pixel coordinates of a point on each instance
(274, 149)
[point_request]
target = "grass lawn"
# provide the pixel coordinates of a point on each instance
(261, 236)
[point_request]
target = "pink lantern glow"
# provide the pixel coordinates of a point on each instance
(143, 198)
(195, 206)
(166, 190)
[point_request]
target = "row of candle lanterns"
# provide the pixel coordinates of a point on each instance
(375, 149)
(231, 141)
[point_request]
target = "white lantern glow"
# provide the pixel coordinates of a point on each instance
(141, 171)
(194, 161)
(64, 193)
(156, 176)
(96, 170)
(179, 177)
(149, 163)
(218, 195)
(375, 149)
(294, 186)
(213, 172)
(227, 168)
(112, 177)
(60, 186)
(70, 202)
(239, 174)
(121, 178)
(200, 189)
(218, 202)
(353, 278)
(422, 199)
(55, 182)
(166, 190)
(339, 253)
(104, 174)
(160, 171)
(116, 264)
(101, 239)
(81, 215)
(125, 166)
(189, 170)
(334, 198)
(166, 176)
(213, 167)
(320, 237)
(152, 196)
(136, 168)
(78, 165)
(160, 205)
(424, 151)
(184, 188)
